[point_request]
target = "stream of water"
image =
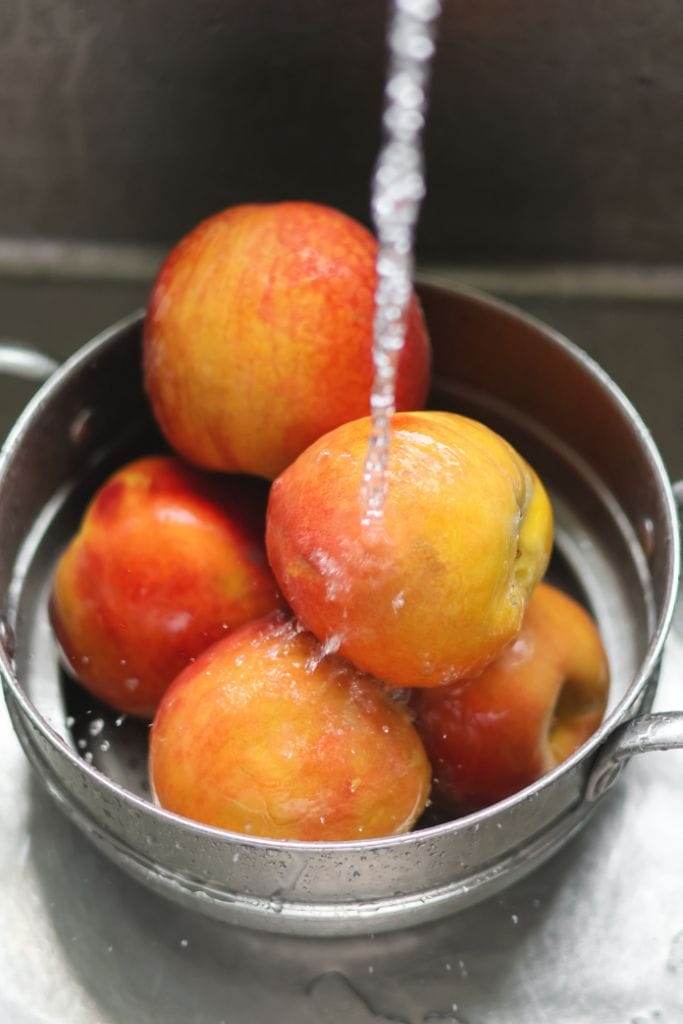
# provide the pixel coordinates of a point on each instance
(397, 192)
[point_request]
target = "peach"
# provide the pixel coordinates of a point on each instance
(529, 710)
(258, 336)
(437, 589)
(166, 560)
(266, 735)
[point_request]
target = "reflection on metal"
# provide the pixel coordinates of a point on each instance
(626, 282)
(81, 261)
(55, 259)
(20, 360)
(640, 736)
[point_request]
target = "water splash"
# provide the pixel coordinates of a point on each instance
(397, 192)
(330, 646)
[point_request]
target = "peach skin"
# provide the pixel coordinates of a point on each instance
(258, 336)
(167, 559)
(436, 590)
(533, 707)
(266, 736)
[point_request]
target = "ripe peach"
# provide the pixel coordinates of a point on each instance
(166, 560)
(265, 735)
(528, 711)
(438, 589)
(258, 336)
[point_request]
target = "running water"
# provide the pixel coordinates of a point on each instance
(397, 192)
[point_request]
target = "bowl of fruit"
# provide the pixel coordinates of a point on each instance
(261, 702)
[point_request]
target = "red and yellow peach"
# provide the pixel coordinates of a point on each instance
(167, 559)
(438, 589)
(531, 709)
(259, 332)
(265, 735)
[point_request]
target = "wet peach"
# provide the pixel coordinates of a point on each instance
(258, 336)
(533, 707)
(438, 588)
(265, 736)
(166, 560)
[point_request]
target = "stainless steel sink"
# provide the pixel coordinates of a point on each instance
(595, 936)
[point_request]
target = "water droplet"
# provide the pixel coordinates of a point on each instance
(132, 683)
(331, 646)
(514, 918)
(646, 533)
(235, 856)
(69, 721)
(118, 722)
(104, 746)
(96, 726)
(81, 744)
(184, 943)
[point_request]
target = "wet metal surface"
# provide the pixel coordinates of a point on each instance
(595, 937)
(592, 938)
(551, 135)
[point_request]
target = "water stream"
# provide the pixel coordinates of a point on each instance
(397, 192)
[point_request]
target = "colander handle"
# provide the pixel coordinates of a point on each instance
(663, 731)
(20, 360)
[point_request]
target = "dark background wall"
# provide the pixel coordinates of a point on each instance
(555, 130)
